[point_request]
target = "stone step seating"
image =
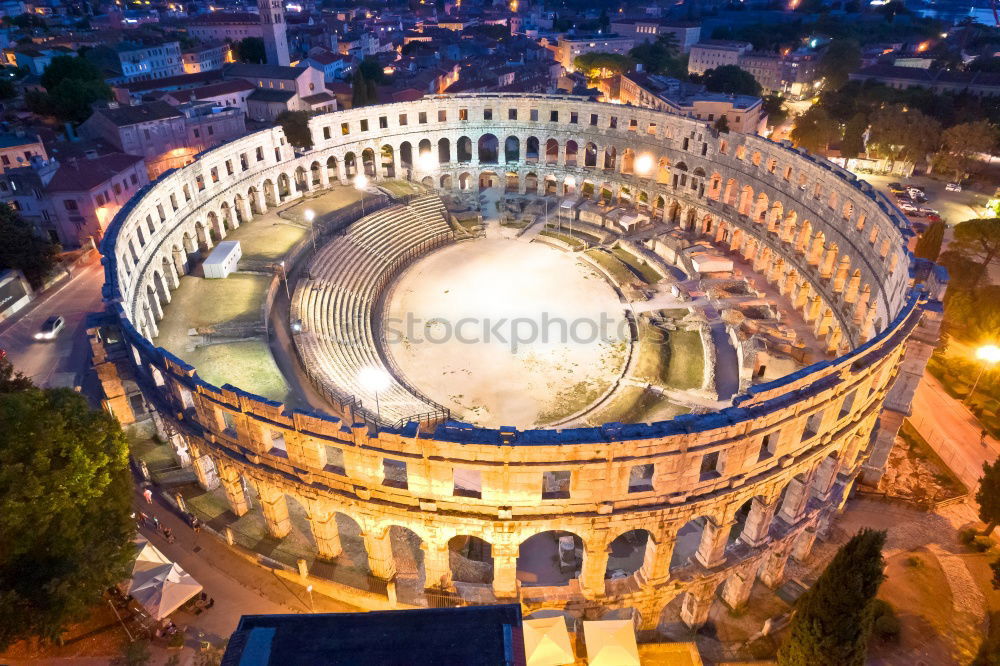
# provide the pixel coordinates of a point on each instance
(337, 304)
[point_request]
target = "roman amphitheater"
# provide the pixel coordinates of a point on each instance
(762, 325)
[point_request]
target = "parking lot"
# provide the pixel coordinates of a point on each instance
(953, 207)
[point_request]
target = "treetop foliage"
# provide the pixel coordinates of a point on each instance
(296, 127)
(731, 80)
(23, 249)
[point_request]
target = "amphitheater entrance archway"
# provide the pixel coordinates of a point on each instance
(427, 181)
(551, 151)
(368, 161)
(284, 186)
(488, 149)
(470, 559)
(253, 196)
(332, 173)
(512, 149)
(315, 175)
(488, 180)
(270, 196)
(447, 182)
(350, 166)
(569, 185)
(686, 543)
(465, 181)
(531, 150)
(590, 155)
(513, 182)
(239, 208)
(550, 185)
(227, 216)
(572, 148)
(408, 557)
(301, 180)
(405, 156)
(464, 149)
(531, 183)
(444, 151)
(550, 558)
(204, 242)
(629, 553)
(388, 161)
(161, 288)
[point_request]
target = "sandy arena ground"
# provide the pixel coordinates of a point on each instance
(438, 312)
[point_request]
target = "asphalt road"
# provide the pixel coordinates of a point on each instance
(63, 361)
(954, 207)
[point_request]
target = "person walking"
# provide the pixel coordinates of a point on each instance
(148, 494)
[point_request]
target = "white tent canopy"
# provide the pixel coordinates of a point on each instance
(161, 586)
(611, 643)
(546, 642)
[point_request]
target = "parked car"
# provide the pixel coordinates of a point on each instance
(895, 187)
(934, 218)
(928, 211)
(953, 187)
(50, 328)
(907, 207)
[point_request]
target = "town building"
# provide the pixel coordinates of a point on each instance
(206, 58)
(138, 61)
(282, 89)
(17, 149)
(716, 53)
(649, 29)
(569, 48)
(85, 194)
(232, 93)
(223, 26)
(23, 189)
(743, 113)
(794, 75)
(334, 66)
(980, 84)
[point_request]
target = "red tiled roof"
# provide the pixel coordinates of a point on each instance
(85, 175)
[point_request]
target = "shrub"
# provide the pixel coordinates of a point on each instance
(887, 627)
(981, 544)
(966, 536)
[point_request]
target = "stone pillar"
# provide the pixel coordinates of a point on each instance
(755, 529)
(437, 565)
(233, 487)
(737, 588)
(824, 322)
(595, 565)
(324, 177)
(712, 549)
(204, 471)
(170, 276)
(824, 478)
(342, 171)
(772, 570)
(794, 503)
(245, 210)
(695, 607)
(505, 570)
(811, 312)
(326, 533)
(380, 559)
(275, 508)
(656, 567)
(155, 308)
(803, 544)
(180, 262)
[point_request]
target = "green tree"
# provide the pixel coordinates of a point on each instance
(731, 80)
(597, 64)
(929, 243)
(363, 90)
(839, 60)
(23, 249)
(899, 133)
(853, 143)
(72, 85)
(988, 496)
(661, 56)
(774, 106)
(7, 89)
(978, 241)
(10, 379)
(65, 503)
(814, 130)
(372, 70)
(833, 620)
(961, 146)
(296, 127)
(250, 50)
(722, 124)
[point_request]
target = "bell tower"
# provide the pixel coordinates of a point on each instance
(272, 23)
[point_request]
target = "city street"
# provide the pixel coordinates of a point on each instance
(60, 362)
(954, 207)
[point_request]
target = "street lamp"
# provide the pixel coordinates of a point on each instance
(360, 183)
(309, 589)
(375, 380)
(643, 164)
(426, 162)
(310, 215)
(988, 354)
(285, 276)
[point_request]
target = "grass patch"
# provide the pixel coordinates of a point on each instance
(568, 240)
(618, 271)
(632, 404)
(638, 265)
(399, 188)
(267, 241)
(674, 313)
(160, 461)
(248, 365)
(674, 359)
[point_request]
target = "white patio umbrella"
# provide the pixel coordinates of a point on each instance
(611, 643)
(546, 642)
(161, 586)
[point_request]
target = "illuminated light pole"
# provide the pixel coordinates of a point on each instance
(360, 183)
(309, 589)
(644, 164)
(285, 280)
(375, 380)
(988, 354)
(310, 215)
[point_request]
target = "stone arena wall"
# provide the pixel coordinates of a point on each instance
(789, 450)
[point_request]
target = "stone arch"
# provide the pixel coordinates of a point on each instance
(446, 181)
(464, 149)
(552, 151)
(531, 183)
(368, 162)
(687, 542)
(444, 151)
(405, 155)
(551, 185)
(590, 155)
(628, 553)
(512, 182)
(226, 215)
(408, 557)
(270, 193)
(470, 559)
(531, 150)
(512, 149)
(315, 175)
(488, 149)
(301, 179)
(284, 186)
(746, 200)
(465, 181)
(546, 558)
(572, 148)
(488, 180)
(663, 171)
(332, 173)
(628, 161)
(350, 165)
(427, 181)
(388, 158)
(610, 157)
(160, 285)
(215, 229)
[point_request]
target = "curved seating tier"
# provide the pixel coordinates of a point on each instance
(337, 304)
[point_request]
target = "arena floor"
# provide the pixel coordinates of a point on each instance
(512, 375)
